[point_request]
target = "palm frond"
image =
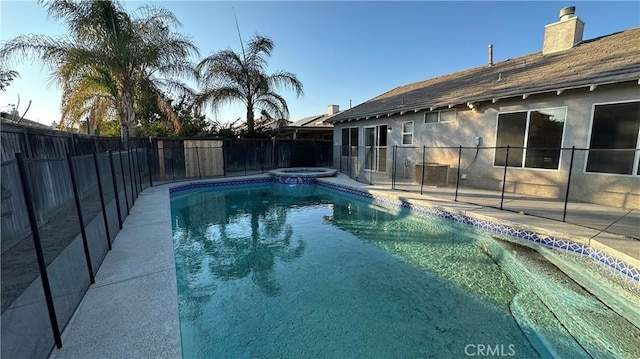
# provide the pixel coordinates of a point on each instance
(259, 49)
(148, 14)
(111, 58)
(286, 80)
(214, 98)
(274, 104)
(179, 68)
(177, 89)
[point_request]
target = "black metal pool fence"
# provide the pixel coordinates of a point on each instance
(61, 215)
(507, 178)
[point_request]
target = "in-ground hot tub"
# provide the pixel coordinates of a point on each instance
(301, 175)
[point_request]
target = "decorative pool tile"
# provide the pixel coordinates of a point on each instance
(596, 254)
(230, 183)
(296, 180)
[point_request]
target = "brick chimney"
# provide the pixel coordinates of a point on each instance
(333, 109)
(563, 34)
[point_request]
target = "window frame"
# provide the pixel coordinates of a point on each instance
(526, 138)
(403, 133)
(636, 163)
(439, 112)
(349, 145)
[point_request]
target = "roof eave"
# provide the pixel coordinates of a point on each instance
(591, 85)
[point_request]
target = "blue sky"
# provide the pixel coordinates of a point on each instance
(341, 51)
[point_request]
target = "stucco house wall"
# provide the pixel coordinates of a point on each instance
(608, 189)
(564, 81)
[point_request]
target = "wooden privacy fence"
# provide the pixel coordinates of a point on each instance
(204, 158)
(43, 143)
(200, 158)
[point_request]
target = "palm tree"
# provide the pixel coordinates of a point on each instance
(227, 77)
(111, 57)
(92, 96)
(6, 77)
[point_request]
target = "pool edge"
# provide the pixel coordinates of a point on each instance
(620, 262)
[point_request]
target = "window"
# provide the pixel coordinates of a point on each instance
(539, 131)
(407, 133)
(440, 116)
(615, 127)
(349, 140)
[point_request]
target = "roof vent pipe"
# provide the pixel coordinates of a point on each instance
(567, 13)
(490, 54)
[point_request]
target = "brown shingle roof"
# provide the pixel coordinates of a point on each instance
(313, 121)
(608, 59)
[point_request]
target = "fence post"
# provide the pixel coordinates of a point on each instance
(359, 165)
(138, 172)
(504, 176)
(371, 166)
(35, 234)
(173, 172)
(73, 142)
(76, 196)
(132, 172)
(115, 189)
(455, 199)
(224, 159)
(135, 170)
(245, 158)
(104, 208)
(198, 157)
(349, 162)
(262, 156)
(566, 196)
(124, 183)
(149, 166)
(132, 178)
(393, 171)
(424, 148)
(140, 164)
(27, 143)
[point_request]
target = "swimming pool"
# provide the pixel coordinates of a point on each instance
(272, 270)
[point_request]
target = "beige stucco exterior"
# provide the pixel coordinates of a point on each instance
(607, 189)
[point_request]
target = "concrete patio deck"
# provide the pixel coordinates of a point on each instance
(132, 309)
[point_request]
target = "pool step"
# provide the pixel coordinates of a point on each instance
(600, 331)
(545, 333)
(622, 300)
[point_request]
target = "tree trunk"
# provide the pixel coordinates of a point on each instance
(127, 118)
(250, 121)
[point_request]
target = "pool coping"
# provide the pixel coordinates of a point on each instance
(132, 309)
(299, 174)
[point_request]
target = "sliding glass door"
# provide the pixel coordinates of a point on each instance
(375, 142)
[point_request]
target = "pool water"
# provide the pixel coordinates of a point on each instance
(278, 271)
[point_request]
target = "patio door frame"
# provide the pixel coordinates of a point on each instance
(376, 146)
